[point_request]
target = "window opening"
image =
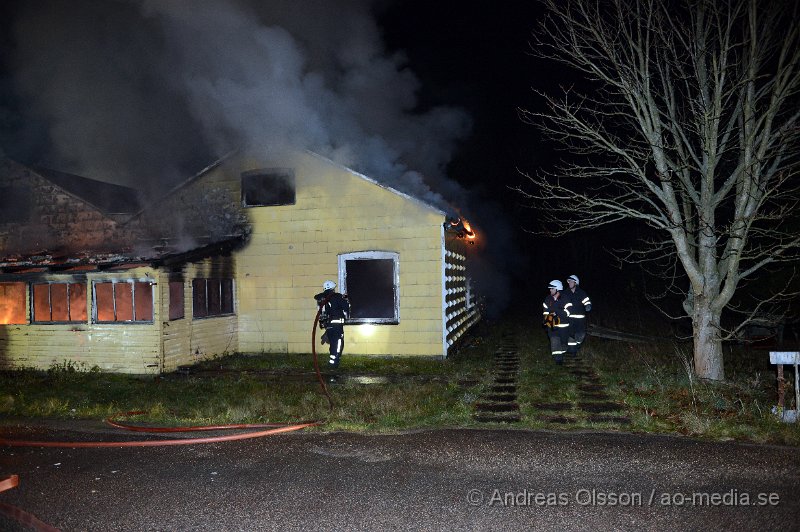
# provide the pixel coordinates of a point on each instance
(269, 187)
(212, 297)
(12, 303)
(59, 303)
(176, 300)
(371, 281)
(123, 301)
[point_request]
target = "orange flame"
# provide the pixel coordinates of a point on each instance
(468, 232)
(5, 314)
(12, 303)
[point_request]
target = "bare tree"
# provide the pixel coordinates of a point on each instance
(689, 124)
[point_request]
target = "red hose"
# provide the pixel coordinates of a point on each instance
(8, 483)
(157, 443)
(31, 521)
(19, 515)
(274, 428)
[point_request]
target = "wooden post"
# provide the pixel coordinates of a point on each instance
(796, 390)
(780, 358)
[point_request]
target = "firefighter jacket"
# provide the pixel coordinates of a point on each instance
(581, 304)
(335, 307)
(561, 307)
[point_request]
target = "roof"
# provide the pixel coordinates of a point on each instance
(90, 261)
(108, 197)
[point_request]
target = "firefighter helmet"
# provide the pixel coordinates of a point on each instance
(574, 277)
(328, 285)
(555, 283)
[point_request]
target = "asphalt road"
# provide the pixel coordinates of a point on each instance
(430, 480)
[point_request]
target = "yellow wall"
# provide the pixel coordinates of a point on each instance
(187, 340)
(291, 251)
(294, 248)
(122, 348)
(137, 348)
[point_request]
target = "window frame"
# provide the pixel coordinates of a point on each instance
(132, 283)
(222, 282)
(373, 255)
(286, 174)
(20, 305)
(49, 285)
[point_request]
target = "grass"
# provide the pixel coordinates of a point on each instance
(664, 396)
(653, 386)
(281, 388)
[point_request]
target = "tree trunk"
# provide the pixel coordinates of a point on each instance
(707, 344)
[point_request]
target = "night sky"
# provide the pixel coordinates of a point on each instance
(108, 89)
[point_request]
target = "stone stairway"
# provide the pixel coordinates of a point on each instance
(498, 404)
(593, 403)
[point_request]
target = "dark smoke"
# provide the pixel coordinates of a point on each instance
(146, 93)
(140, 92)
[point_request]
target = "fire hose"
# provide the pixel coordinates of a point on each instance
(33, 522)
(19, 515)
(272, 428)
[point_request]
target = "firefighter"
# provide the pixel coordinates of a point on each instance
(335, 310)
(581, 306)
(557, 308)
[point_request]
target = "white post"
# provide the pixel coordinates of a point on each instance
(789, 357)
(796, 391)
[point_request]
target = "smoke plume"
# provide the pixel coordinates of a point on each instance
(146, 92)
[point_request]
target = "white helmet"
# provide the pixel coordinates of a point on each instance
(555, 283)
(574, 277)
(328, 285)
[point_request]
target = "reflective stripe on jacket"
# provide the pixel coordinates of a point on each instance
(561, 307)
(580, 302)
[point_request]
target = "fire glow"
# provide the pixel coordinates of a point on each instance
(12, 303)
(462, 228)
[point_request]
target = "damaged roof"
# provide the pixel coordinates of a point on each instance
(108, 197)
(85, 233)
(161, 254)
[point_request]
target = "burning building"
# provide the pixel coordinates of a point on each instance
(226, 262)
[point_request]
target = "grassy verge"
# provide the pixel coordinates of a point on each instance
(664, 396)
(652, 385)
(412, 392)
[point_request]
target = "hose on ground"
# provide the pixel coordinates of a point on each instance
(19, 515)
(31, 521)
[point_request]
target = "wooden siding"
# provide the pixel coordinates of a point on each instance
(188, 340)
(136, 348)
(294, 248)
(118, 347)
(291, 251)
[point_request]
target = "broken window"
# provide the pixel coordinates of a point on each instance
(212, 297)
(15, 204)
(176, 306)
(59, 302)
(123, 301)
(371, 281)
(268, 187)
(12, 303)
